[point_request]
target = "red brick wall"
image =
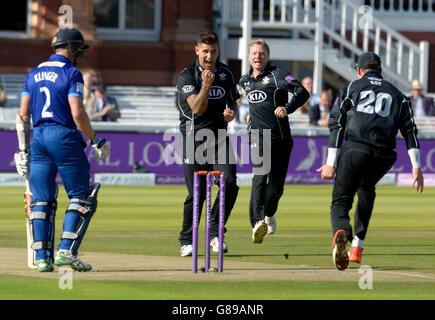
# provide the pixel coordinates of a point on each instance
(117, 62)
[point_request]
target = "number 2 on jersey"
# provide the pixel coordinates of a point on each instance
(45, 113)
(368, 97)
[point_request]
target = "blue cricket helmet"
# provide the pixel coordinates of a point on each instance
(69, 36)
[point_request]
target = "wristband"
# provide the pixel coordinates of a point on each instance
(414, 156)
(331, 160)
(94, 140)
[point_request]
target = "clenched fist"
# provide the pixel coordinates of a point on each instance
(281, 112)
(229, 115)
(207, 78)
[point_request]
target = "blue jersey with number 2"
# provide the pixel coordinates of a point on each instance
(49, 86)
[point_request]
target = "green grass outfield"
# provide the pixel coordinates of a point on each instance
(147, 220)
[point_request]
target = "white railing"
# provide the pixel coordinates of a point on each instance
(402, 7)
(346, 25)
(303, 10)
(354, 29)
(269, 13)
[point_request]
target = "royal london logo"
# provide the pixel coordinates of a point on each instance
(256, 96)
(216, 92)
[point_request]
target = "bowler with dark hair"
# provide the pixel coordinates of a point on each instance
(207, 100)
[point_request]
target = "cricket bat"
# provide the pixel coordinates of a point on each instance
(23, 134)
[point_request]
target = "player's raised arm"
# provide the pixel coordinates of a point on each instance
(199, 102)
(208, 53)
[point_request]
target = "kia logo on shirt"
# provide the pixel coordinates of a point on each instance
(216, 92)
(256, 96)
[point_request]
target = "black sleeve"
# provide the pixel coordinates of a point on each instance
(186, 86)
(407, 127)
(232, 101)
(338, 118)
(233, 95)
(300, 94)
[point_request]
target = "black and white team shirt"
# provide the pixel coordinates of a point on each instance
(223, 93)
(371, 110)
(260, 93)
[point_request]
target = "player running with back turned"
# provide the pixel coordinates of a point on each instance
(369, 113)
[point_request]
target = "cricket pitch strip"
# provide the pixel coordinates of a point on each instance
(122, 267)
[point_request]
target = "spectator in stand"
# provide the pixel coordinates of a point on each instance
(3, 98)
(319, 113)
(421, 105)
(332, 96)
(102, 107)
(243, 106)
(87, 88)
(307, 82)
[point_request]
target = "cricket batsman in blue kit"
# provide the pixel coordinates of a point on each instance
(53, 97)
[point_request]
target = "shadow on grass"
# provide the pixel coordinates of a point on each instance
(401, 245)
(403, 254)
(302, 269)
(285, 255)
(288, 255)
(398, 268)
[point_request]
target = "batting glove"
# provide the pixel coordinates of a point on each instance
(101, 148)
(22, 160)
